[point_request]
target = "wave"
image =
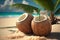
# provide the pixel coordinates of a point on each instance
(9, 16)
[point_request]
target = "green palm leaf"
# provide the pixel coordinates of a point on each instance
(26, 8)
(48, 4)
(57, 2)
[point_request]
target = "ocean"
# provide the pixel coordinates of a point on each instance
(10, 14)
(16, 14)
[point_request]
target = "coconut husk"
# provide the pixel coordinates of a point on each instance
(41, 26)
(24, 23)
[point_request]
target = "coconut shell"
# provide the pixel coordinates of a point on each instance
(25, 25)
(41, 28)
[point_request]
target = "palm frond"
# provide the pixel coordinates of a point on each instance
(47, 4)
(26, 8)
(57, 3)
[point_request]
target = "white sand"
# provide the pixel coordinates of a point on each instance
(8, 21)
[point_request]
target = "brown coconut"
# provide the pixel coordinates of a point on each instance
(41, 26)
(24, 23)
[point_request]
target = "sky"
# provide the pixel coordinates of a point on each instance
(4, 5)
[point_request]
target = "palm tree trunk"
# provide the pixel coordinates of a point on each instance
(53, 19)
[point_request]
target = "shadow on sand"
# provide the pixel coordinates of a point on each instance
(54, 35)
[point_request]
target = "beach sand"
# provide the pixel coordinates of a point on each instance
(11, 21)
(8, 21)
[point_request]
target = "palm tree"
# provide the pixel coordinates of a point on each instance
(47, 4)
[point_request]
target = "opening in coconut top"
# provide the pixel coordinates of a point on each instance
(40, 19)
(22, 17)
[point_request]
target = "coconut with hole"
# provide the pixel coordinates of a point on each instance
(24, 23)
(41, 25)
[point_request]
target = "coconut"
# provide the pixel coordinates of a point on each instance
(41, 26)
(24, 23)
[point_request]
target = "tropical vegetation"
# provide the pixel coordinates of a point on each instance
(47, 4)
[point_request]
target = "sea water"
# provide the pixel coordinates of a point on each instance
(10, 14)
(16, 14)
